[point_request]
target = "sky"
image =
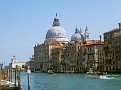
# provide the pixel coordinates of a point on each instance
(24, 23)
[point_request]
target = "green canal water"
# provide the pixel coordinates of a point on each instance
(44, 81)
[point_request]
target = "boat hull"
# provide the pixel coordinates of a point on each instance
(50, 72)
(95, 76)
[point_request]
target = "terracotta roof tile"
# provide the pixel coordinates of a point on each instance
(94, 42)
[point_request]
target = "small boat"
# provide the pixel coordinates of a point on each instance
(93, 74)
(50, 72)
(8, 83)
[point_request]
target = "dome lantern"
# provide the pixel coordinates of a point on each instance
(56, 21)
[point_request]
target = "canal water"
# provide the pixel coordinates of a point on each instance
(44, 81)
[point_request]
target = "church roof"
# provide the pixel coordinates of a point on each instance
(56, 32)
(94, 42)
(77, 36)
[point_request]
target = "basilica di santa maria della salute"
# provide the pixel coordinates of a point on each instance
(60, 54)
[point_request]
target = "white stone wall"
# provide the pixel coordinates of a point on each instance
(14, 64)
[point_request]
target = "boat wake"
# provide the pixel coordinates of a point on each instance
(112, 75)
(106, 77)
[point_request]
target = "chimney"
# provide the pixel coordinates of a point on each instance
(119, 25)
(100, 38)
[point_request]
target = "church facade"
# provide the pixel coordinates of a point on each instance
(14, 63)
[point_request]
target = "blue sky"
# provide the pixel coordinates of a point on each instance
(24, 23)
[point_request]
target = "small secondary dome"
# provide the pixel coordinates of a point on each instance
(56, 32)
(77, 36)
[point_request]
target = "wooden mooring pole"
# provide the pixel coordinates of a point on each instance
(15, 75)
(28, 75)
(11, 76)
(0, 77)
(19, 78)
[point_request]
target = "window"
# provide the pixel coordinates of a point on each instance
(78, 54)
(23, 66)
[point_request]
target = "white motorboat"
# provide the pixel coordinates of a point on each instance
(50, 72)
(93, 74)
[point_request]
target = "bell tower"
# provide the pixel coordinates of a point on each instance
(86, 34)
(13, 59)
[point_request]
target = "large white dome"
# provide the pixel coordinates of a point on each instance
(56, 32)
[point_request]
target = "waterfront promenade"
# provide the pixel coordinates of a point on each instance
(44, 81)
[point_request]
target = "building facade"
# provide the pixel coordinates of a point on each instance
(112, 48)
(47, 55)
(56, 55)
(92, 54)
(72, 57)
(30, 63)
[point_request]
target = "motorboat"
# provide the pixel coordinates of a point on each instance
(50, 72)
(94, 74)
